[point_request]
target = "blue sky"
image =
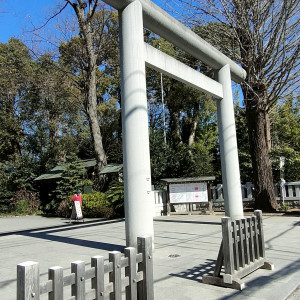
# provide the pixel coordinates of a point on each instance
(17, 16)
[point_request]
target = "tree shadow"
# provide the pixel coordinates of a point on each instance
(50, 236)
(188, 222)
(196, 273)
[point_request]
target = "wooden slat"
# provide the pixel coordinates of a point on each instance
(139, 276)
(251, 239)
(139, 257)
(297, 190)
(78, 289)
(236, 254)
(290, 191)
(124, 262)
(250, 268)
(256, 248)
(108, 288)
(261, 239)
(227, 245)
(55, 274)
(130, 271)
(90, 295)
(246, 241)
(145, 287)
(28, 281)
(108, 267)
(89, 273)
(69, 280)
(219, 262)
(46, 287)
(115, 275)
(240, 227)
(97, 262)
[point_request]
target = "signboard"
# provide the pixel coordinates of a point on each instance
(76, 211)
(188, 192)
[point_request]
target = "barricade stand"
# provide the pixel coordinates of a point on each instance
(242, 251)
(76, 212)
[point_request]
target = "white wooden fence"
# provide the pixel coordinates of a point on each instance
(136, 283)
(290, 193)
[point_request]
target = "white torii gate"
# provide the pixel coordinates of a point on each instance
(134, 15)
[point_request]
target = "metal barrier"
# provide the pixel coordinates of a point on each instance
(136, 283)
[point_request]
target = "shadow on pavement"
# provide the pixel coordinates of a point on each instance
(67, 226)
(188, 222)
(45, 234)
(196, 273)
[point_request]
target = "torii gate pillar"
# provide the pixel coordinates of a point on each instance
(228, 147)
(136, 153)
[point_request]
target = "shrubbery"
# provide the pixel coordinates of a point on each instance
(25, 203)
(96, 205)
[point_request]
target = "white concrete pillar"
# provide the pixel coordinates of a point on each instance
(136, 154)
(228, 148)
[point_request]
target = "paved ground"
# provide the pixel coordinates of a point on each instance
(185, 248)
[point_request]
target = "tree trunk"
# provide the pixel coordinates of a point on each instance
(91, 109)
(262, 170)
(90, 90)
(193, 132)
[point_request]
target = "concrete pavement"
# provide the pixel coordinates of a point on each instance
(186, 247)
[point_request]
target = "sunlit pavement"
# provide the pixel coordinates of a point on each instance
(186, 247)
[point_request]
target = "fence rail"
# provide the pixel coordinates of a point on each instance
(121, 271)
(290, 192)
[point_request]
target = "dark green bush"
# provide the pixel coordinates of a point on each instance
(64, 209)
(96, 205)
(115, 197)
(25, 203)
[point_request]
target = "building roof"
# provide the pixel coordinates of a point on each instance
(187, 179)
(57, 171)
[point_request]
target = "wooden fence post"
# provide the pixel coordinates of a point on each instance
(97, 262)
(145, 288)
(78, 289)
(227, 249)
(28, 281)
(115, 275)
(56, 275)
(261, 240)
(130, 271)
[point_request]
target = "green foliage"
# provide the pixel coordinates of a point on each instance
(115, 197)
(25, 203)
(64, 208)
(5, 200)
(72, 178)
(71, 182)
(110, 124)
(286, 139)
(285, 207)
(96, 205)
(243, 145)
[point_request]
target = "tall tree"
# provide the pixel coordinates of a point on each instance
(93, 44)
(51, 113)
(286, 138)
(266, 34)
(15, 69)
